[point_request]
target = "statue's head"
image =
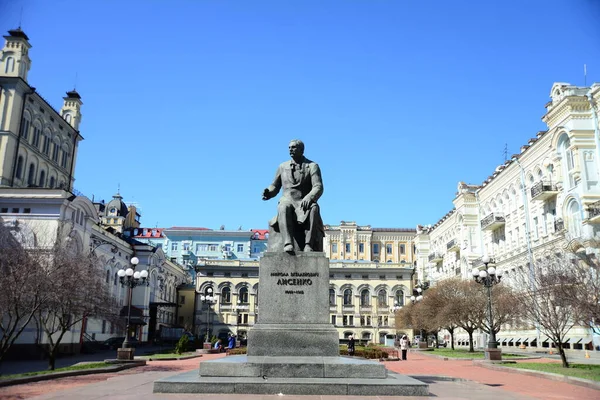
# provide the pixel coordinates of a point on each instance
(296, 148)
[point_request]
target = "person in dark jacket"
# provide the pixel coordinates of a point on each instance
(351, 345)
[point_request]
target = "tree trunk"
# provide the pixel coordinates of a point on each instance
(52, 358)
(452, 338)
(563, 356)
(471, 348)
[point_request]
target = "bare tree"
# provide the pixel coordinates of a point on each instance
(22, 290)
(443, 300)
(78, 291)
(547, 297)
(469, 310)
(505, 307)
(587, 290)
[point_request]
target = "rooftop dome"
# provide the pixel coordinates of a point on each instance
(116, 206)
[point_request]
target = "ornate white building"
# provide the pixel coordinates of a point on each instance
(38, 145)
(545, 197)
(47, 213)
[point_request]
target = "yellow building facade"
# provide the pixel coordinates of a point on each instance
(371, 274)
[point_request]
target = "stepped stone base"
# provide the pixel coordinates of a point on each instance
(392, 385)
(293, 367)
(293, 349)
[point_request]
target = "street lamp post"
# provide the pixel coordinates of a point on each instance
(130, 278)
(488, 278)
(418, 290)
(239, 308)
(208, 299)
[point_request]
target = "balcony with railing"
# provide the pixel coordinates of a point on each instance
(543, 191)
(453, 245)
(594, 212)
(559, 225)
(435, 257)
(493, 221)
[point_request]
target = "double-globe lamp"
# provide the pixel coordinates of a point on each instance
(131, 278)
(488, 277)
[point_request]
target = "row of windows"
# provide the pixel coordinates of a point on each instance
(41, 181)
(206, 247)
(389, 248)
(365, 298)
(365, 320)
(14, 210)
(226, 295)
(46, 143)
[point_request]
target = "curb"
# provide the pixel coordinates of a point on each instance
(446, 358)
(173, 358)
(547, 375)
(65, 374)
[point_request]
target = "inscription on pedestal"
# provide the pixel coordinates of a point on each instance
(293, 289)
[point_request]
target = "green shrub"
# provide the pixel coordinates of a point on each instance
(237, 351)
(182, 344)
(213, 340)
(365, 352)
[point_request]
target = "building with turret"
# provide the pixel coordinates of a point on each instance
(543, 200)
(38, 144)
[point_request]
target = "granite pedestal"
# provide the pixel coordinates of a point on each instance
(293, 348)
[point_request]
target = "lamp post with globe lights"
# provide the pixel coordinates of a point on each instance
(418, 290)
(208, 299)
(489, 277)
(239, 308)
(131, 278)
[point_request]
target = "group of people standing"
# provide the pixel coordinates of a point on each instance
(404, 344)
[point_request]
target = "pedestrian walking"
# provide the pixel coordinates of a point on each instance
(404, 346)
(350, 345)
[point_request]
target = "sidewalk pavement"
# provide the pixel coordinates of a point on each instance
(469, 382)
(20, 366)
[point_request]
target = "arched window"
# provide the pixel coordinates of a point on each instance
(107, 275)
(46, 143)
(243, 295)
(364, 298)
(20, 167)
(568, 162)
(116, 279)
(37, 131)
(366, 336)
(382, 298)
(399, 298)
(348, 297)
(52, 182)
(226, 295)
(331, 297)
(55, 151)
(574, 219)
(10, 65)
(64, 157)
(31, 176)
(25, 124)
(68, 118)
(42, 178)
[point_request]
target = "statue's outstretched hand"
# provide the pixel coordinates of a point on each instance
(266, 194)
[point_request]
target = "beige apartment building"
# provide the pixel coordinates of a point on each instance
(545, 197)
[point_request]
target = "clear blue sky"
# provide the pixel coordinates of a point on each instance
(190, 105)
